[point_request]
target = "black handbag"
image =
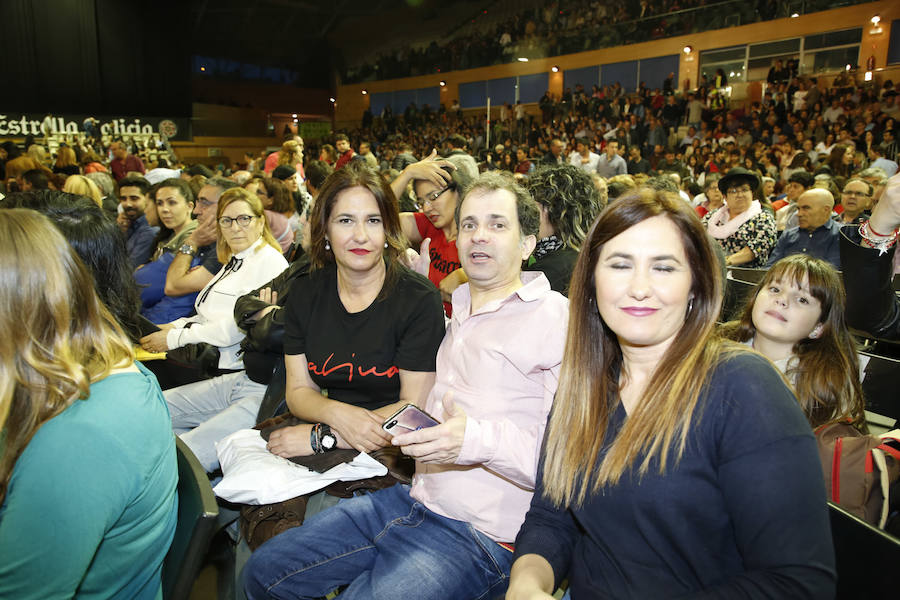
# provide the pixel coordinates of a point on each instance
(201, 357)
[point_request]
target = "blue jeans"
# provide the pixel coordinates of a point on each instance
(386, 546)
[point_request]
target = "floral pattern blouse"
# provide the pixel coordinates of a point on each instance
(758, 234)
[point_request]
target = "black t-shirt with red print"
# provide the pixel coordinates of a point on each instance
(357, 357)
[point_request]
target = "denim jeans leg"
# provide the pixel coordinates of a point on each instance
(330, 549)
(207, 411)
(386, 546)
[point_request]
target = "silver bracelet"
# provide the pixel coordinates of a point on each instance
(876, 241)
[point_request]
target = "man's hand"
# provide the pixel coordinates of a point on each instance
(420, 261)
(155, 342)
(206, 233)
(441, 443)
(123, 222)
(886, 214)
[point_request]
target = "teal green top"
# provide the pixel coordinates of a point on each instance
(90, 509)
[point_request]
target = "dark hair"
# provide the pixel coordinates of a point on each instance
(317, 172)
(278, 192)
(37, 178)
(179, 184)
(527, 211)
(199, 170)
(98, 242)
(662, 183)
(341, 137)
(456, 141)
(804, 178)
(358, 174)
(138, 182)
(571, 198)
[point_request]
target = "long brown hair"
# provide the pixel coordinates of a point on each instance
(589, 385)
(826, 374)
(357, 174)
(58, 336)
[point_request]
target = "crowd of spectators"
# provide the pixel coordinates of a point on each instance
(568, 26)
(796, 173)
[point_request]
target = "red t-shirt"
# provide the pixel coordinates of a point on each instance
(779, 204)
(444, 258)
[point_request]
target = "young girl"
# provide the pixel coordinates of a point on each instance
(796, 319)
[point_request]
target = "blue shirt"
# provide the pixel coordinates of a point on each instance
(139, 241)
(822, 243)
(609, 168)
(741, 515)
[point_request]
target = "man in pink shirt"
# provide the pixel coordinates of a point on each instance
(449, 535)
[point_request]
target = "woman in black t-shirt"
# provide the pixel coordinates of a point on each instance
(362, 334)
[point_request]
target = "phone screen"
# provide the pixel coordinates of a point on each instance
(408, 418)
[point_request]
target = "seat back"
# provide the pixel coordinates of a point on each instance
(197, 512)
(866, 557)
(736, 294)
(880, 385)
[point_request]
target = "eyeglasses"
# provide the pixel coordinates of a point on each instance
(740, 190)
(857, 194)
(434, 195)
(242, 220)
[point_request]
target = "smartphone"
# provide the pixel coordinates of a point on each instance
(409, 418)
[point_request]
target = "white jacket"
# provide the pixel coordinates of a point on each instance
(214, 322)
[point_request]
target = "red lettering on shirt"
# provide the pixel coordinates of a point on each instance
(325, 370)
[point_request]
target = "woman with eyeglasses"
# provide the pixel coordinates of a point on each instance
(438, 185)
(745, 231)
(251, 257)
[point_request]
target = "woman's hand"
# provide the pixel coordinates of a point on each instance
(450, 283)
(288, 442)
(155, 342)
(359, 428)
(270, 297)
(420, 261)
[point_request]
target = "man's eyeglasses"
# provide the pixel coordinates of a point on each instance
(431, 197)
(242, 220)
(857, 194)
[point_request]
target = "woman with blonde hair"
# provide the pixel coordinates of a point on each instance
(251, 257)
(81, 185)
(66, 162)
(675, 464)
(87, 464)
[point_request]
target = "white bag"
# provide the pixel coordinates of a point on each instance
(253, 475)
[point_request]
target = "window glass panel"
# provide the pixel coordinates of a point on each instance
(723, 54)
(833, 38)
(771, 48)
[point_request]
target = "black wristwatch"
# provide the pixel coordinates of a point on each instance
(327, 440)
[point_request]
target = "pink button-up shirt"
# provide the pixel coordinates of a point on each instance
(502, 365)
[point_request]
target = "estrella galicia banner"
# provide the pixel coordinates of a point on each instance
(14, 124)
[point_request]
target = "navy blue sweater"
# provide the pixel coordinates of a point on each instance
(742, 515)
